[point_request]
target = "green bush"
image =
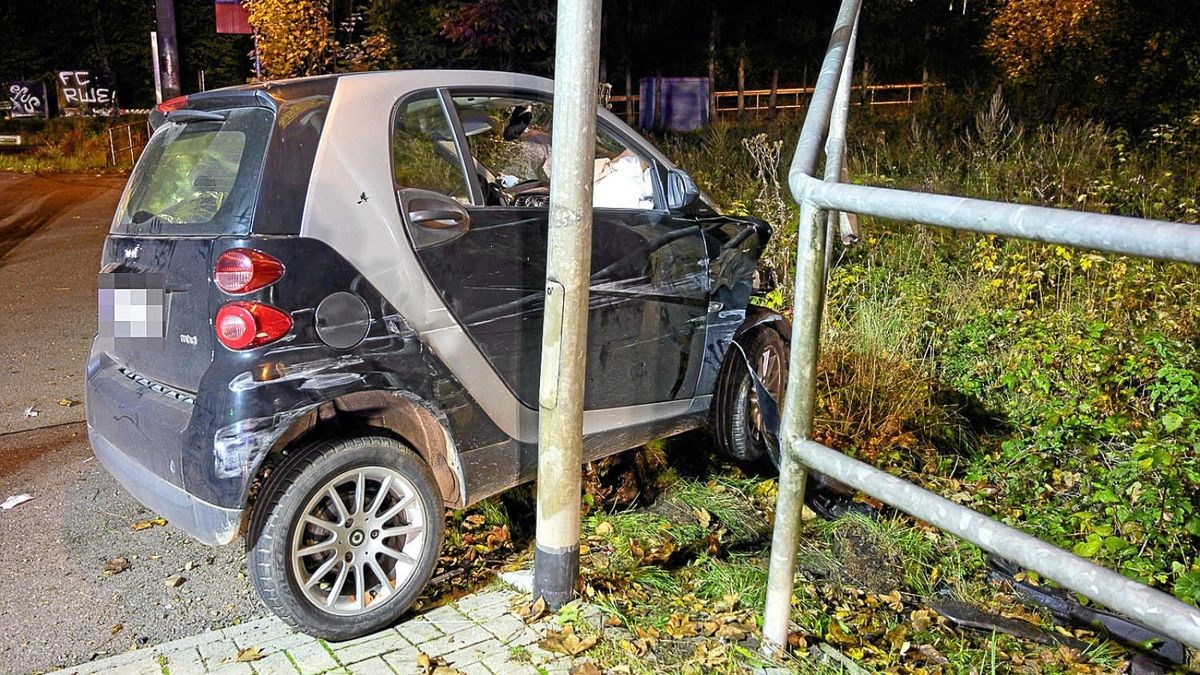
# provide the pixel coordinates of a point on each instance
(1057, 389)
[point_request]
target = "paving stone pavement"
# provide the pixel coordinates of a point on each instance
(479, 634)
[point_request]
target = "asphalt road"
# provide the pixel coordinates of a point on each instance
(51, 232)
(58, 607)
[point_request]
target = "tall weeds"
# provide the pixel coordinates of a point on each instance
(1056, 388)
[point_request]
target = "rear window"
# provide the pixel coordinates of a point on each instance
(198, 177)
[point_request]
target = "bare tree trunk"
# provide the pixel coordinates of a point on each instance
(774, 92)
(741, 84)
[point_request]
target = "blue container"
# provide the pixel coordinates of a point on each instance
(673, 103)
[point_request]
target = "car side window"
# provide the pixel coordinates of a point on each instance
(424, 154)
(510, 140)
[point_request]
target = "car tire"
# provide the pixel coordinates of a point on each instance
(335, 523)
(738, 426)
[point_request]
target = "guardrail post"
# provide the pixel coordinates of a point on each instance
(797, 423)
(800, 400)
(835, 144)
(564, 329)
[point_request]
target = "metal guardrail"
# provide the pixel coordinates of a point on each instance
(826, 122)
(126, 140)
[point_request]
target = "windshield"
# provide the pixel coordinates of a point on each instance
(197, 176)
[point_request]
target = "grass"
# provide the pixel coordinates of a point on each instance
(665, 584)
(738, 578)
(62, 145)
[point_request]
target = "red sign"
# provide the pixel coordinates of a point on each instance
(231, 17)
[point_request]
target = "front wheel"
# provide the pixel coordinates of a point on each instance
(741, 428)
(346, 536)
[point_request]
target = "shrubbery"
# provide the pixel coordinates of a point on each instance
(1057, 389)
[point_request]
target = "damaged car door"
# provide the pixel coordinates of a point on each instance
(473, 173)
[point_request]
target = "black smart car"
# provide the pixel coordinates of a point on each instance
(321, 315)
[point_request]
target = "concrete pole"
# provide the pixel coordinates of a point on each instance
(564, 331)
(168, 48)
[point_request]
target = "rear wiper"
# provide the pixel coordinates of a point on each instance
(185, 116)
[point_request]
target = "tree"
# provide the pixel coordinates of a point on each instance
(1030, 37)
(1131, 62)
(293, 36)
(413, 29)
(503, 34)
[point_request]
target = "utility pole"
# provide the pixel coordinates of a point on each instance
(564, 330)
(168, 48)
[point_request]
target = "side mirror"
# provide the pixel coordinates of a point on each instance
(681, 190)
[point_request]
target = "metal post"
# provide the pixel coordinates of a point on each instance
(799, 402)
(835, 145)
(167, 47)
(154, 61)
(564, 330)
(1114, 234)
(796, 424)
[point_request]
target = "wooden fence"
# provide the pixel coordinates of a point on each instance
(758, 101)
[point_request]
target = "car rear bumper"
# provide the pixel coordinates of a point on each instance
(209, 523)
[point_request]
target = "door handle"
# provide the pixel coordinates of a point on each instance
(436, 217)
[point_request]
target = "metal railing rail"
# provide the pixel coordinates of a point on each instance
(826, 119)
(129, 138)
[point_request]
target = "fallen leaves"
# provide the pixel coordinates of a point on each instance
(435, 665)
(147, 524)
(585, 668)
(932, 655)
(533, 611)
(893, 600)
(249, 654)
(566, 641)
(921, 619)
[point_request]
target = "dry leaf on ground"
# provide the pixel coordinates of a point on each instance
(567, 642)
(115, 566)
(249, 654)
(534, 611)
(147, 524)
(585, 668)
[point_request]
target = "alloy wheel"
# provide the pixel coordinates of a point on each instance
(358, 540)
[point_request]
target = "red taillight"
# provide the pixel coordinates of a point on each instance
(242, 270)
(172, 104)
(245, 325)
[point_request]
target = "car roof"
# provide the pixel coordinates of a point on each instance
(406, 79)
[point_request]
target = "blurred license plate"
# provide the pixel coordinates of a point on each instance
(132, 310)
